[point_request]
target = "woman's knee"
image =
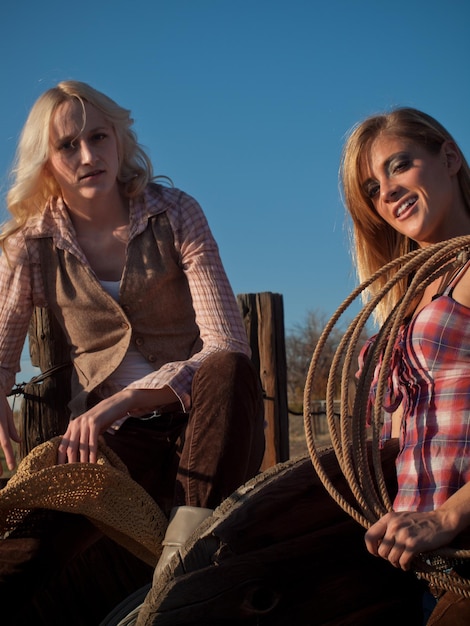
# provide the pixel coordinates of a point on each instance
(227, 368)
(229, 379)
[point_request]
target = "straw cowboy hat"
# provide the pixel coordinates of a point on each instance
(103, 492)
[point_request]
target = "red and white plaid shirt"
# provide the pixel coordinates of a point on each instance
(430, 378)
(217, 313)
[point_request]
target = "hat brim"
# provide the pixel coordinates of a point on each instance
(103, 492)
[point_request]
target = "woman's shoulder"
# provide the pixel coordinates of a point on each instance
(459, 288)
(168, 194)
(159, 198)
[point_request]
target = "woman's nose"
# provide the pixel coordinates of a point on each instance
(388, 190)
(86, 153)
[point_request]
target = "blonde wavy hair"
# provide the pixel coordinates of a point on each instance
(32, 186)
(374, 242)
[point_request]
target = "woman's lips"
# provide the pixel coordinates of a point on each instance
(404, 206)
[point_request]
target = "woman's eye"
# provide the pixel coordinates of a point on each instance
(399, 166)
(67, 145)
(371, 189)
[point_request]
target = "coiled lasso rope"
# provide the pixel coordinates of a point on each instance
(349, 432)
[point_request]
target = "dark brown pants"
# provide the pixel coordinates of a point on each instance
(200, 458)
(451, 610)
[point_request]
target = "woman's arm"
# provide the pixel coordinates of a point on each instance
(217, 313)
(8, 433)
(15, 313)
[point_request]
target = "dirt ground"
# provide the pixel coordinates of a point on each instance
(297, 441)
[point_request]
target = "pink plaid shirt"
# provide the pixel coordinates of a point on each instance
(217, 313)
(430, 378)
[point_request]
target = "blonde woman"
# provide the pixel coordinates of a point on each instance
(130, 269)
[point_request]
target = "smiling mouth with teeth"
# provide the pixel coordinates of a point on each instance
(405, 205)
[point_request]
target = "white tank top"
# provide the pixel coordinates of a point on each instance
(133, 366)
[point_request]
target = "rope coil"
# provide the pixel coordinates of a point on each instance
(349, 431)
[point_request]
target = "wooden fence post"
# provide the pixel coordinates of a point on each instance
(263, 315)
(44, 411)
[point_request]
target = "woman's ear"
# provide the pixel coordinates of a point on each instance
(451, 157)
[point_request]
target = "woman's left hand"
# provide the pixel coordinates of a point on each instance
(399, 537)
(80, 440)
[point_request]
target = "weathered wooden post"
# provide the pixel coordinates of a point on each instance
(263, 315)
(44, 410)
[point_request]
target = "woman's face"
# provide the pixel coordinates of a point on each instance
(83, 153)
(414, 191)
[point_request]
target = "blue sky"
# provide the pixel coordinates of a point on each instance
(245, 104)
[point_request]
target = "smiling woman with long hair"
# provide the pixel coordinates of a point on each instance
(406, 185)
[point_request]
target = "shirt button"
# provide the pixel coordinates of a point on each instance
(139, 341)
(152, 358)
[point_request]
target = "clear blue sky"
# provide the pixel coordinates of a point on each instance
(245, 104)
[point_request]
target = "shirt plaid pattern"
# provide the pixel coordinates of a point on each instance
(217, 313)
(430, 378)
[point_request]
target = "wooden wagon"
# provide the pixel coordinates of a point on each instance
(281, 552)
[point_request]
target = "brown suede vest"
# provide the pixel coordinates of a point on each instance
(155, 310)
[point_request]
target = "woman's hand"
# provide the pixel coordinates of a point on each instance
(80, 440)
(8, 433)
(399, 537)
